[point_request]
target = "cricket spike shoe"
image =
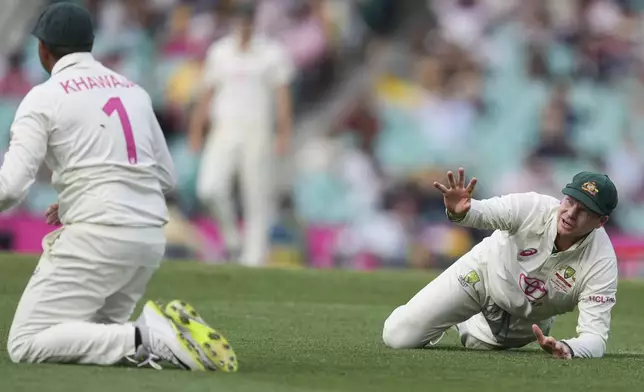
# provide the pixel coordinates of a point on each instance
(163, 340)
(212, 343)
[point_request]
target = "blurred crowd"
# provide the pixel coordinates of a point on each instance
(522, 93)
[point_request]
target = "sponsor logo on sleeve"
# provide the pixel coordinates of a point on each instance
(470, 279)
(601, 299)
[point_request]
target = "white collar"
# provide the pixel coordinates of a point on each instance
(71, 59)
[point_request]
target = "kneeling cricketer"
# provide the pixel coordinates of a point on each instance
(545, 257)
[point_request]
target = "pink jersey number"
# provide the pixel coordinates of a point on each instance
(115, 104)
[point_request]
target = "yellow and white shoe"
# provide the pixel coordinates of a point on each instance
(163, 340)
(213, 344)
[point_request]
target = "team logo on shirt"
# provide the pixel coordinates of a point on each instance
(564, 278)
(524, 254)
(533, 288)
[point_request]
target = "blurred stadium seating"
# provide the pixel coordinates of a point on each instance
(521, 93)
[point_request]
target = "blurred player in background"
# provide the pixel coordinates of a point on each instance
(246, 80)
(96, 131)
(545, 257)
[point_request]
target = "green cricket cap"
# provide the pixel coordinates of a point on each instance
(65, 25)
(594, 191)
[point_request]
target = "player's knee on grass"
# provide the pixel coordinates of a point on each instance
(401, 331)
(16, 349)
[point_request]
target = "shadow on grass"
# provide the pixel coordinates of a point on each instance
(529, 350)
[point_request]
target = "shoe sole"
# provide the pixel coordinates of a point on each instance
(188, 347)
(214, 345)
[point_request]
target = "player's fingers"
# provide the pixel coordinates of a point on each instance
(538, 333)
(51, 209)
(561, 351)
(440, 187)
(471, 185)
(450, 180)
(550, 342)
(461, 177)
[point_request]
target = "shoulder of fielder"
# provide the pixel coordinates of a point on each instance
(38, 103)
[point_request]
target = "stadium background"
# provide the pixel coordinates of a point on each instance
(389, 95)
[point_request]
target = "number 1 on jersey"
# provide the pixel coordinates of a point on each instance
(115, 104)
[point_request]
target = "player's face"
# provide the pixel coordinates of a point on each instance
(575, 220)
(244, 25)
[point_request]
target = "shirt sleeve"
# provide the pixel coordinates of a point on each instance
(283, 70)
(596, 301)
(27, 149)
(507, 213)
(164, 164)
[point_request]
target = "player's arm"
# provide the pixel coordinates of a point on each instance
(27, 149)
(164, 164)
(595, 304)
(506, 213)
(200, 112)
(282, 75)
(199, 118)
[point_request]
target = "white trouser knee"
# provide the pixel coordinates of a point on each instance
(402, 332)
(17, 349)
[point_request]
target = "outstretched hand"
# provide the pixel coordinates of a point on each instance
(551, 345)
(458, 197)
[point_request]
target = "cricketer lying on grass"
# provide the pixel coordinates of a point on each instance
(97, 132)
(545, 257)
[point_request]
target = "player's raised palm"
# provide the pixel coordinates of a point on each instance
(456, 196)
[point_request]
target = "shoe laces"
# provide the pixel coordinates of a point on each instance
(150, 356)
(151, 361)
(438, 339)
(143, 357)
(160, 350)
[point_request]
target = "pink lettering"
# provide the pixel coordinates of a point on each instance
(103, 81)
(67, 87)
(115, 81)
(81, 84)
(92, 82)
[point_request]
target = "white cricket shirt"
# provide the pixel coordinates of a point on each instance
(527, 280)
(245, 81)
(97, 133)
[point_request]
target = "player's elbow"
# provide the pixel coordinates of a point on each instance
(9, 199)
(169, 186)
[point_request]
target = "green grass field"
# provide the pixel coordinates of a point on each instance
(305, 330)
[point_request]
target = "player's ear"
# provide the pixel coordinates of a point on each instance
(44, 55)
(603, 220)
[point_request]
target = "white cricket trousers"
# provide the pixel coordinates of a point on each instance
(453, 300)
(244, 148)
(76, 306)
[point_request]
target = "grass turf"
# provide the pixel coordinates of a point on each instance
(308, 330)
